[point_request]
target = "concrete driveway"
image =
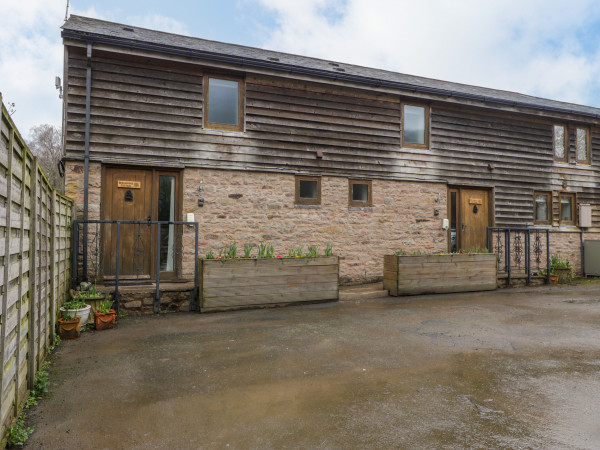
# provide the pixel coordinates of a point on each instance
(517, 368)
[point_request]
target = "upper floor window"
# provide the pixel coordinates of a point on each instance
(308, 190)
(224, 103)
(415, 126)
(560, 143)
(582, 143)
(359, 193)
(567, 209)
(542, 207)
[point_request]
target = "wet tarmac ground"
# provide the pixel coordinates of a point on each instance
(514, 368)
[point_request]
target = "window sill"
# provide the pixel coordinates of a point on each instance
(223, 132)
(307, 207)
(360, 208)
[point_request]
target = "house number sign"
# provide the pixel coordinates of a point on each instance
(475, 201)
(129, 184)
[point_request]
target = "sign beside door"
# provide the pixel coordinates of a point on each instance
(129, 184)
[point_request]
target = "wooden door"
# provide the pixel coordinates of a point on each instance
(474, 218)
(128, 196)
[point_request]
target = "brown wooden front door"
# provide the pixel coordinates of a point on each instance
(128, 196)
(469, 211)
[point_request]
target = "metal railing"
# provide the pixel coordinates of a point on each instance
(138, 237)
(514, 248)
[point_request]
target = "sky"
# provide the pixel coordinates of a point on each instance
(545, 48)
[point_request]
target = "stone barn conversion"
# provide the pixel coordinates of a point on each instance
(257, 145)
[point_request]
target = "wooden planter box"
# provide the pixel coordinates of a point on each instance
(255, 282)
(438, 274)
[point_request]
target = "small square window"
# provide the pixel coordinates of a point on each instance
(560, 143)
(415, 126)
(542, 207)
(567, 209)
(359, 193)
(582, 145)
(308, 190)
(223, 103)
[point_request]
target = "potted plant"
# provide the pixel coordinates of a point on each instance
(69, 327)
(560, 267)
(105, 315)
(77, 307)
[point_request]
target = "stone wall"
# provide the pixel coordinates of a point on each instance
(568, 244)
(74, 176)
(250, 207)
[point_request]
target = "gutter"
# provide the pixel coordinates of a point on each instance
(300, 70)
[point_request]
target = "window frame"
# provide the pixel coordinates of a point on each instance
(573, 197)
(413, 144)
(356, 203)
(548, 207)
(565, 143)
(307, 201)
(588, 160)
(241, 103)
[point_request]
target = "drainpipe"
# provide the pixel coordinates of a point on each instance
(86, 157)
(582, 254)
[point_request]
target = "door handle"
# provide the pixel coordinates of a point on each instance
(462, 227)
(149, 219)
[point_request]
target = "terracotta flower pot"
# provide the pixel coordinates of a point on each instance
(553, 279)
(69, 329)
(104, 321)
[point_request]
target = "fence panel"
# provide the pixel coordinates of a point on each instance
(35, 248)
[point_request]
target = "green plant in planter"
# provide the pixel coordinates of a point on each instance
(556, 262)
(106, 304)
(75, 303)
(313, 251)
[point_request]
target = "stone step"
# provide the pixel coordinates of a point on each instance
(363, 291)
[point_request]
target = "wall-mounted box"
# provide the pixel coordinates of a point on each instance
(591, 257)
(585, 215)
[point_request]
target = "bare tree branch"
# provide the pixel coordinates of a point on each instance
(45, 142)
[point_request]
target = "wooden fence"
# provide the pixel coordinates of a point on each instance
(35, 242)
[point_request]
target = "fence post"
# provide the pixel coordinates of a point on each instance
(33, 241)
(547, 256)
(21, 267)
(7, 236)
(528, 255)
(508, 267)
(156, 306)
(53, 228)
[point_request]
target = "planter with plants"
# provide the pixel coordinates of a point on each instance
(561, 268)
(78, 307)
(69, 327)
(266, 278)
(412, 274)
(105, 315)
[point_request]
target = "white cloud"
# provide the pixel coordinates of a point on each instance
(32, 55)
(531, 47)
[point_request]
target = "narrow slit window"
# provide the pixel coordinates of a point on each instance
(414, 126)
(560, 143)
(582, 145)
(542, 207)
(567, 209)
(308, 190)
(224, 104)
(359, 193)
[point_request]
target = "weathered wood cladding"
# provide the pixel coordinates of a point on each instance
(150, 111)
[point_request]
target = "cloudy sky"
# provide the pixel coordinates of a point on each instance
(547, 48)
